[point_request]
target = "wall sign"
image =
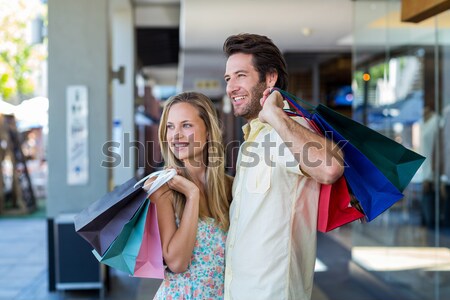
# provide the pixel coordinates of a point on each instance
(77, 135)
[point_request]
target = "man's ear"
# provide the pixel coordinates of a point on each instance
(271, 78)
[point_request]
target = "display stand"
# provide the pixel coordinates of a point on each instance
(20, 199)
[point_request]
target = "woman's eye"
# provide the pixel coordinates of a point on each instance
(187, 125)
(169, 126)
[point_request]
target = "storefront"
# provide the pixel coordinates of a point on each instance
(401, 72)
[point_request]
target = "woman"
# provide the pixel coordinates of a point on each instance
(193, 206)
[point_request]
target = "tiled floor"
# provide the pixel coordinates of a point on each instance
(24, 269)
(398, 257)
(23, 260)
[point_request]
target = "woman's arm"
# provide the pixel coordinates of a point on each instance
(177, 243)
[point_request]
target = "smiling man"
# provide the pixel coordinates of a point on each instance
(271, 244)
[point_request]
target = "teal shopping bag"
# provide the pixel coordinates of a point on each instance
(124, 250)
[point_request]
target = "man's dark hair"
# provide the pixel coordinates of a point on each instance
(266, 56)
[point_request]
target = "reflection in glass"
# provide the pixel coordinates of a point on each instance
(400, 89)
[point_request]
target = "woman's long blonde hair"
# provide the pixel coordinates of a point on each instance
(217, 187)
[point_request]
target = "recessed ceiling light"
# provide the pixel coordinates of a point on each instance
(306, 31)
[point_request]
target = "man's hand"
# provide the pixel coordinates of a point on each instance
(272, 103)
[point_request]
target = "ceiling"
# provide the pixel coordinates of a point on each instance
(294, 25)
(308, 30)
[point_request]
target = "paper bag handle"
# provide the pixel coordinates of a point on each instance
(163, 176)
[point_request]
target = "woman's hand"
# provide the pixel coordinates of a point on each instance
(160, 193)
(184, 186)
(177, 183)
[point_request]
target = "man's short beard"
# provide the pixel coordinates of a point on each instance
(254, 107)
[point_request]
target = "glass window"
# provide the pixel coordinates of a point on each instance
(399, 76)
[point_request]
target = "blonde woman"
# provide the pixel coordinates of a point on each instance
(193, 206)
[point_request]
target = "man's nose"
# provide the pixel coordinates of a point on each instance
(231, 86)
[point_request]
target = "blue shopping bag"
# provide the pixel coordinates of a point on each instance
(368, 184)
(366, 177)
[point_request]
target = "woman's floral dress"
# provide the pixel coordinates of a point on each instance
(204, 277)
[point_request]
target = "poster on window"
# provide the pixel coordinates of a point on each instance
(77, 135)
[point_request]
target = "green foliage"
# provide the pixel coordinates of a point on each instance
(379, 71)
(6, 92)
(19, 60)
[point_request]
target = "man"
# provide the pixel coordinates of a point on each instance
(271, 244)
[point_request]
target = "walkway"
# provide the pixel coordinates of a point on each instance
(23, 270)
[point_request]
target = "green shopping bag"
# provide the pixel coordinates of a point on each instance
(377, 168)
(124, 249)
(395, 161)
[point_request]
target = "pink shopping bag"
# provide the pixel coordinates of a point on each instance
(149, 262)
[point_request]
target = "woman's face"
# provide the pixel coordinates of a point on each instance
(186, 133)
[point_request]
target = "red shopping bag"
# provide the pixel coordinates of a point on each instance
(334, 206)
(149, 262)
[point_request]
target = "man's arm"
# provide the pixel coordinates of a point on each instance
(318, 156)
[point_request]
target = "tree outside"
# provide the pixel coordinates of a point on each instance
(22, 57)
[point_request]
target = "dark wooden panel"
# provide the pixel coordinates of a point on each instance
(416, 11)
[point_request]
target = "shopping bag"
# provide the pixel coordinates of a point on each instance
(335, 208)
(123, 251)
(136, 249)
(149, 261)
(101, 222)
(373, 190)
(396, 162)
